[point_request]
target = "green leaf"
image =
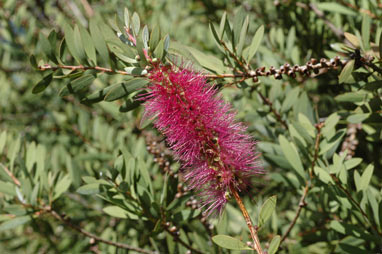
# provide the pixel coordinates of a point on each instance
(243, 35)
(336, 7)
(71, 42)
(155, 37)
(380, 46)
(7, 188)
(366, 30)
(77, 85)
(123, 89)
(207, 61)
(352, 39)
(229, 242)
(222, 25)
(256, 41)
(274, 245)
(88, 45)
(238, 24)
(33, 61)
(290, 99)
(357, 181)
(358, 118)
(126, 18)
(98, 40)
(323, 175)
(136, 24)
(366, 177)
(129, 105)
(62, 186)
(266, 210)
(89, 189)
(352, 163)
(292, 156)
(330, 124)
(115, 211)
(43, 84)
(10, 224)
(354, 97)
(346, 72)
(3, 140)
(145, 36)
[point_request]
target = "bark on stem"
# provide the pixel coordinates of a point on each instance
(252, 229)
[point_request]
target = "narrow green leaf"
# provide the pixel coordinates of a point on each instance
(366, 177)
(3, 140)
(125, 88)
(154, 38)
(115, 211)
(352, 163)
(62, 186)
(98, 40)
(358, 118)
(336, 7)
(10, 224)
(222, 25)
(77, 85)
(238, 24)
(145, 36)
(136, 24)
(354, 97)
(70, 42)
(292, 156)
(158, 52)
(126, 18)
(323, 175)
(346, 72)
(88, 45)
(78, 43)
(130, 105)
(229, 242)
(33, 61)
(243, 35)
(43, 84)
(357, 181)
(366, 30)
(89, 189)
(266, 210)
(274, 245)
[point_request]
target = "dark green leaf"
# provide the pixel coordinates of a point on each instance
(71, 42)
(366, 30)
(43, 84)
(77, 85)
(136, 24)
(123, 89)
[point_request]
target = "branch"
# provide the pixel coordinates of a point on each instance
(92, 236)
(84, 68)
(337, 181)
(273, 110)
(14, 179)
(252, 229)
(313, 65)
(307, 184)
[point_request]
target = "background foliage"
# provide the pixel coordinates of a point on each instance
(74, 154)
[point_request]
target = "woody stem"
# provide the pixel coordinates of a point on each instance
(252, 229)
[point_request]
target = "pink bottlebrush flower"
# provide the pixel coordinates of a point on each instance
(201, 129)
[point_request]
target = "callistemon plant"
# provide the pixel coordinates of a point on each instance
(218, 157)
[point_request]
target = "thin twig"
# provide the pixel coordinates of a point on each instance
(92, 236)
(307, 183)
(251, 228)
